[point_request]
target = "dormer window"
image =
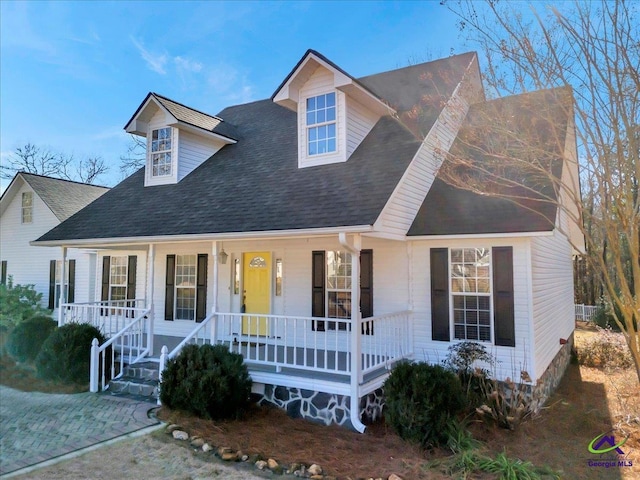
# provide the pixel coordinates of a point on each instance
(321, 124)
(161, 152)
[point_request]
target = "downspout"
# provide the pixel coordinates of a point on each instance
(356, 340)
(151, 258)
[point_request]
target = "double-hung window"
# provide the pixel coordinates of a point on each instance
(339, 286)
(161, 152)
(58, 285)
(321, 124)
(118, 278)
(27, 207)
(186, 287)
(471, 293)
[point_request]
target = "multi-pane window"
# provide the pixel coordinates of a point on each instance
(118, 278)
(471, 293)
(338, 287)
(161, 152)
(186, 287)
(321, 124)
(58, 286)
(27, 207)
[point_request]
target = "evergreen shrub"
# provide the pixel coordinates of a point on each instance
(422, 402)
(208, 381)
(66, 355)
(26, 339)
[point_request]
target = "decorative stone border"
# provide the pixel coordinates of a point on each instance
(552, 376)
(301, 470)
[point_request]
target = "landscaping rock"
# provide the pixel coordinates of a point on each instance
(172, 427)
(180, 435)
(393, 476)
(271, 463)
(261, 464)
(197, 442)
(245, 458)
(229, 456)
(315, 469)
(206, 447)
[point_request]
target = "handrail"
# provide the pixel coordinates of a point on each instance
(104, 303)
(127, 338)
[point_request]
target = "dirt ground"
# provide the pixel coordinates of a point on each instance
(588, 403)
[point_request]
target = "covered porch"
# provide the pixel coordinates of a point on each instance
(349, 357)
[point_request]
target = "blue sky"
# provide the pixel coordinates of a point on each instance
(73, 73)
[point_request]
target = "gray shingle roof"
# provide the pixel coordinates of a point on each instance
(255, 185)
(63, 197)
(533, 122)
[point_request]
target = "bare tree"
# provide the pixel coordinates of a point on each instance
(135, 157)
(42, 161)
(590, 53)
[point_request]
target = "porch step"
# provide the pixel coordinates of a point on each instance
(139, 380)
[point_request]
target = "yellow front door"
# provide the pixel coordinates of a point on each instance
(257, 291)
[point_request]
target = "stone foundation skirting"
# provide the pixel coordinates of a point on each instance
(550, 379)
(321, 407)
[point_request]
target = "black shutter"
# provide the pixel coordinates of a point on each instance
(366, 289)
(440, 294)
(71, 295)
(3, 275)
(132, 268)
(52, 284)
(106, 270)
(169, 291)
(317, 288)
(503, 296)
(201, 291)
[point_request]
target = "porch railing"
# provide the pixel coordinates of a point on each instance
(585, 313)
(304, 343)
(108, 316)
(129, 345)
(386, 339)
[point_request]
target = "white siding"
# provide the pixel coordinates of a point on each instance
(194, 150)
(401, 209)
(511, 359)
(28, 264)
(322, 81)
(552, 285)
(360, 121)
(390, 283)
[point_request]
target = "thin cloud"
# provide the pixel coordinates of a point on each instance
(187, 65)
(155, 61)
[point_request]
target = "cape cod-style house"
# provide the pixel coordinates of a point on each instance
(310, 232)
(29, 207)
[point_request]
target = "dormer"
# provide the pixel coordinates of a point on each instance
(335, 112)
(179, 138)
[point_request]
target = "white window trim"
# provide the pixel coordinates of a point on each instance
(150, 179)
(324, 123)
(339, 155)
(126, 276)
(194, 288)
(24, 209)
(453, 294)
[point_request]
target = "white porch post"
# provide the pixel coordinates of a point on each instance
(356, 327)
(63, 296)
(214, 296)
(151, 257)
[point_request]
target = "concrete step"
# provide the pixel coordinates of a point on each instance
(139, 380)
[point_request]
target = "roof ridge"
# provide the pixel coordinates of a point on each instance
(186, 106)
(48, 177)
(418, 64)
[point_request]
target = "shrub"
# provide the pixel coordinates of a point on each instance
(26, 339)
(462, 360)
(508, 403)
(208, 381)
(19, 303)
(421, 402)
(605, 349)
(66, 355)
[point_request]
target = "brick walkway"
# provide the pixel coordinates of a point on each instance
(36, 427)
